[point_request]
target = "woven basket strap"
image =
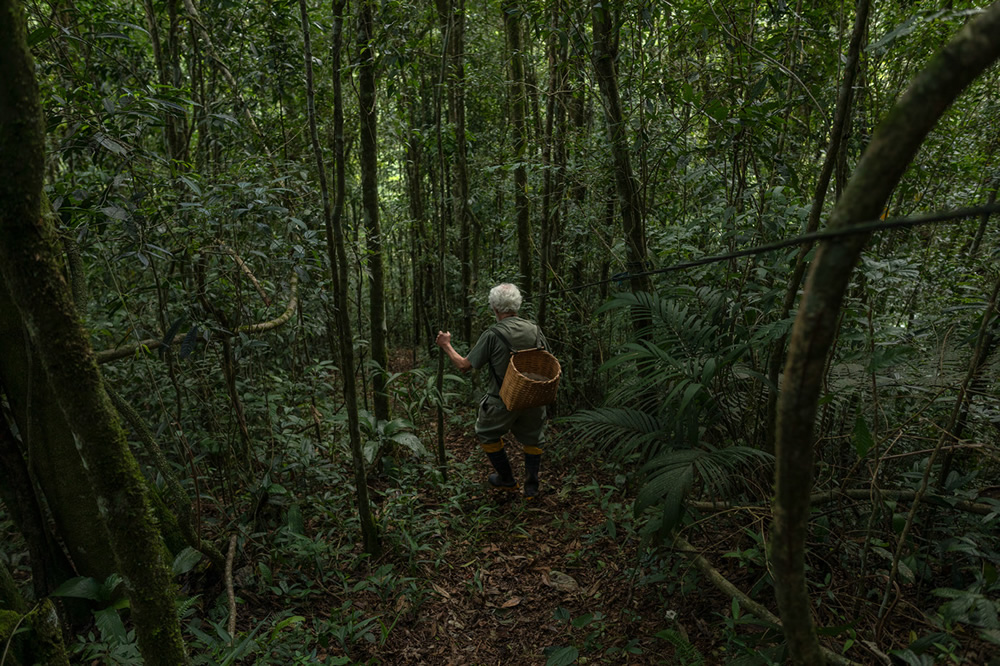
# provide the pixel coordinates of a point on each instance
(506, 343)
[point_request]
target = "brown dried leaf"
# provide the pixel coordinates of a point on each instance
(510, 603)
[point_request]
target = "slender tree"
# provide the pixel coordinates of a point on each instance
(459, 169)
(553, 151)
(519, 121)
(337, 256)
(369, 204)
(606, 37)
(892, 148)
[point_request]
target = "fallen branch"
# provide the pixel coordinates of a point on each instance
(229, 588)
(828, 496)
(118, 353)
(723, 585)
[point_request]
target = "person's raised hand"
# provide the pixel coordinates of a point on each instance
(443, 339)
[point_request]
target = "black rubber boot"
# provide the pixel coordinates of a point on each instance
(531, 464)
(503, 478)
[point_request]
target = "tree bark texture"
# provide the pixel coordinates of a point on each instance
(44, 302)
(369, 202)
(629, 201)
(892, 148)
(519, 121)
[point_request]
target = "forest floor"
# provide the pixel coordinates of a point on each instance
(545, 580)
(470, 575)
(567, 578)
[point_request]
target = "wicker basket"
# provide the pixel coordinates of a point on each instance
(531, 379)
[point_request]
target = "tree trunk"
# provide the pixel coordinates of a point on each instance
(369, 201)
(44, 302)
(518, 118)
(630, 203)
(459, 173)
(553, 153)
(337, 255)
(892, 148)
(418, 214)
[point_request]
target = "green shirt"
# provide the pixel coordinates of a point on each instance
(490, 349)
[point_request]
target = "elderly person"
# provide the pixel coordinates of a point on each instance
(494, 420)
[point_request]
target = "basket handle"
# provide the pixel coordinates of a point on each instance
(519, 351)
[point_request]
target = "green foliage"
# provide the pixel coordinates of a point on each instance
(665, 412)
(727, 116)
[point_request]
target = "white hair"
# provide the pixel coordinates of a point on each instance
(505, 298)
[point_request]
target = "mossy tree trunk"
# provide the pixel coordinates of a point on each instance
(891, 150)
(44, 303)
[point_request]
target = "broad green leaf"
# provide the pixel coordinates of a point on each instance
(80, 588)
(562, 656)
(39, 34)
(410, 441)
(186, 561)
(863, 440)
(110, 624)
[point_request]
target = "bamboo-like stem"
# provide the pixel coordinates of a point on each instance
(337, 254)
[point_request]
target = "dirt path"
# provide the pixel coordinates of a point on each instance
(552, 573)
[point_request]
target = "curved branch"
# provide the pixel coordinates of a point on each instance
(892, 148)
(723, 585)
(293, 303)
(118, 353)
(246, 271)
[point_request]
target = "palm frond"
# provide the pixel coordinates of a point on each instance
(671, 476)
(627, 431)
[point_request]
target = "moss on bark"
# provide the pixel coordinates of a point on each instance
(31, 273)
